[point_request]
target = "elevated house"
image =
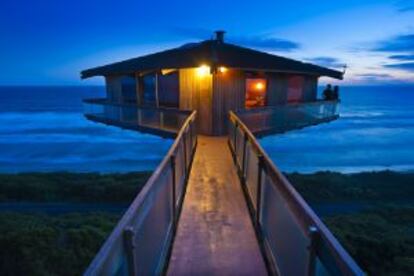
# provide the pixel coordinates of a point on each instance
(191, 217)
(212, 77)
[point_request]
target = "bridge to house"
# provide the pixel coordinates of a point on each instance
(217, 205)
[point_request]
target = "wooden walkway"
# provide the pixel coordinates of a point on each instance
(215, 235)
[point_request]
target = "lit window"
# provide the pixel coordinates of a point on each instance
(255, 92)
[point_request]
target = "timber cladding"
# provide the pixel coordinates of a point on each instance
(213, 96)
(228, 94)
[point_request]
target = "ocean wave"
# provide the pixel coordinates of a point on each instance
(361, 114)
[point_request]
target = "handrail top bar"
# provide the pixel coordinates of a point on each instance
(289, 105)
(104, 101)
(137, 202)
(306, 216)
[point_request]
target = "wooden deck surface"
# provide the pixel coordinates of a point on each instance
(215, 235)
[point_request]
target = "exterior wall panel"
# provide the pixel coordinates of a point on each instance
(277, 89)
(113, 88)
(310, 88)
(228, 94)
(196, 94)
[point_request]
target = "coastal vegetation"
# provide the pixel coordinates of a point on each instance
(380, 187)
(75, 187)
(37, 242)
(381, 240)
(379, 236)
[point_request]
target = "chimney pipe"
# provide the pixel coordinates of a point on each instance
(220, 36)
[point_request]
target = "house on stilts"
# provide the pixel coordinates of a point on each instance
(216, 204)
(270, 93)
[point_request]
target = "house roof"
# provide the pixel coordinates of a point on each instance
(212, 53)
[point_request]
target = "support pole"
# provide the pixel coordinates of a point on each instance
(259, 189)
(243, 165)
(314, 236)
(173, 188)
(157, 103)
(130, 250)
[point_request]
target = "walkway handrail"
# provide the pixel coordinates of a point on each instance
(316, 102)
(294, 239)
(105, 101)
(141, 241)
(281, 118)
(160, 121)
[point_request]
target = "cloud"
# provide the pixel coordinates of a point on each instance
(406, 66)
(400, 43)
(401, 48)
(406, 9)
(379, 78)
(327, 62)
(374, 75)
(407, 57)
(404, 6)
(258, 41)
(271, 43)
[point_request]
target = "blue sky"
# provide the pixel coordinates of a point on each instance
(49, 42)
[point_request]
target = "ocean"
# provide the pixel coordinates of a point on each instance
(43, 129)
(375, 131)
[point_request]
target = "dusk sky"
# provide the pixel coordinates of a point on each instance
(50, 42)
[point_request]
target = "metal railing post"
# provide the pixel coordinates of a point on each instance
(259, 189)
(190, 129)
(234, 139)
(161, 119)
(314, 236)
(173, 188)
(130, 250)
(243, 167)
(185, 151)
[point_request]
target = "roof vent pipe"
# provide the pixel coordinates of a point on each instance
(220, 36)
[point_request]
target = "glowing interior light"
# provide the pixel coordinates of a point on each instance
(222, 69)
(203, 70)
(259, 86)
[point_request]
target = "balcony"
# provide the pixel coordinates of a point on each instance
(279, 119)
(165, 122)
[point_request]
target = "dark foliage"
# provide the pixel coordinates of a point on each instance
(83, 187)
(34, 244)
(381, 241)
(38, 244)
(381, 238)
(367, 186)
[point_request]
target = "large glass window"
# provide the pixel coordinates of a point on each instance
(129, 90)
(256, 89)
(149, 97)
(168, 90)
(295, 89)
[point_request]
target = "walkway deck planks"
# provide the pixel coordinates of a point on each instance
(215, 235)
